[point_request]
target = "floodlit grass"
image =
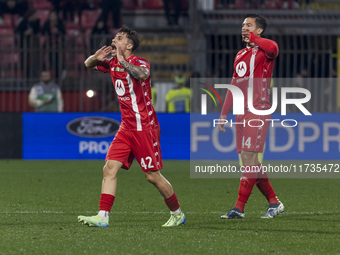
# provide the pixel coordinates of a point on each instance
(40, 202)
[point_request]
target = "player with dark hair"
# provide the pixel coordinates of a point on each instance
(253, 67)
(139, 133)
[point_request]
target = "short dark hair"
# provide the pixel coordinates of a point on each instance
(259, 20)
(132, 35)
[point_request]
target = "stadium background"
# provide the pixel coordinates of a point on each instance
(41, 199)
(202, 45)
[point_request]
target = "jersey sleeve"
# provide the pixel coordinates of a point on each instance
(104, 66)
(268, 46)
(143, 63)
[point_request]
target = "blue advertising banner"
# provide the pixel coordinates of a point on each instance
(315, 137)
(89, 135)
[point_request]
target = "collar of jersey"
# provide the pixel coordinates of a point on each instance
(130, 57)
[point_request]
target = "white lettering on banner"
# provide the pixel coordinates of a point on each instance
(272, 141)
(91, 126)
(304, 137)
(93, 147)
(195, 138)
(216, 141)
(307, 139)
(327, 137)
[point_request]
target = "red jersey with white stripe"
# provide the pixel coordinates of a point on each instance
(134, 96)
(252, 67)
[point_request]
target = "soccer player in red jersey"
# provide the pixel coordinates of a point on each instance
(253, 67)
(139, 133)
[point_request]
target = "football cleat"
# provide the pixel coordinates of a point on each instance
(93, 221)
(234, 213)
(273, 210)
(175, 220)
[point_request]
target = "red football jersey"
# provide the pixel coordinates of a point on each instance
(252, 67)
(135, 100)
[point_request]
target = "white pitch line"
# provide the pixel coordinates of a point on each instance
(93, 212)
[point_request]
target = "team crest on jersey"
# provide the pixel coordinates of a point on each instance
(120, 88)
(241, 69)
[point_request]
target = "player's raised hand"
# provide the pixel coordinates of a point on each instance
(102, 53)
(120, 54)
(221, 123)
(245, 35)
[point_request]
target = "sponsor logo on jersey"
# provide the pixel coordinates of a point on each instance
(241, 69)
(141, 61)
(93, 127)
(124, 98)
(120, 69)
(120, 88)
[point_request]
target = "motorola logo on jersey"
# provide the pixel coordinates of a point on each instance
(241, 69)
(120, 88)
(124, 98)
(93, 127)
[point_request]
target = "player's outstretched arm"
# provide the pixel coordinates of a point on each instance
(100, 55)
(268, 46)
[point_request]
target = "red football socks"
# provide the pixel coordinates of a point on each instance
(266, 188)
(246, 186)
(106, 202)
(172, 202)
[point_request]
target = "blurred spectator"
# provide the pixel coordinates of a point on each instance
(178, 99)
(99, 34)
(172, 18)
(28, 27)
(54, 32)
(249, 4)
(45, 96)
(71, 7)
(290, 4)
(67, 7)
(13, 7)
(28, 32)
(114, 7)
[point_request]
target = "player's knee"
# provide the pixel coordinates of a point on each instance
(110, 170)
(249, 158)
(151, 177)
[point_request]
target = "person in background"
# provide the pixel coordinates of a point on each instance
(28, 32)
(54, 31)
(178, 99)
(13, 7)
(45, 96)
(172, 18)
(113, 6)
(99, 34)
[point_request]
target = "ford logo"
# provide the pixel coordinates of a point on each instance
(93, 127)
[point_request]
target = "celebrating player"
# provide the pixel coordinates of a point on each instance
(139, 133)
(253, 67)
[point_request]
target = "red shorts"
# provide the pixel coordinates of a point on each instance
(252, 135)
(142, 145)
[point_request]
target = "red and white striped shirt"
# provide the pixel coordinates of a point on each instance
(134, 96)
(253, 67)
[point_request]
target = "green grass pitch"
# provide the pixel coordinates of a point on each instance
(40, 202)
